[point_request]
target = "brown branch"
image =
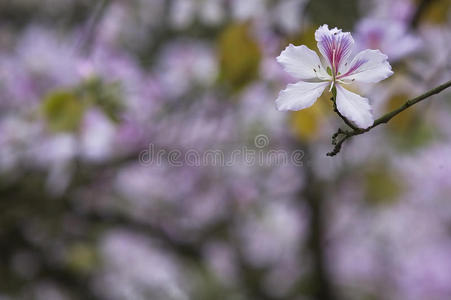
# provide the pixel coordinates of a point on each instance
(346, 134)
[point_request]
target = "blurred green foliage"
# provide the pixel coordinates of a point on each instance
(64, 109)
(342, 14)
(306, 37)
(82, 257)
(382, 184)
(107, 96)
(408, 129)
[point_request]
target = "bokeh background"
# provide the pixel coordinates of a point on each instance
(86, 86)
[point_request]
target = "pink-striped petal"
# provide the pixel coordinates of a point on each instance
(335, 46)
(368, 66)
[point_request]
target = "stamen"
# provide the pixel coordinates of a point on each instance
(333, 61)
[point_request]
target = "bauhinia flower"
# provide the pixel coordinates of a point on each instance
(336, 69)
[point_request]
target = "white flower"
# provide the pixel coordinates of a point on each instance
(336, 69)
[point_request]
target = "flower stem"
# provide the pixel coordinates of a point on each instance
(382, 120)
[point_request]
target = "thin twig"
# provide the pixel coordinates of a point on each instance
(88, 34)
(382, 120)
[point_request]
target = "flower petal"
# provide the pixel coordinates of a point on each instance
(300, 95)
(335, 45)
(368, 66)
(354, 107)
(302, 63)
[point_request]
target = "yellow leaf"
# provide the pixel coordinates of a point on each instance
(239, 56)
(306, 123)
(437, 12)
(402, 121)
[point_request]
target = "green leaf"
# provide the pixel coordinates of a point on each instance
(63, 111)
(107, 96)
